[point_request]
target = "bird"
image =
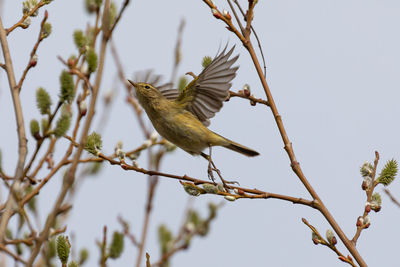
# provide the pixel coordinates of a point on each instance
(182, 117)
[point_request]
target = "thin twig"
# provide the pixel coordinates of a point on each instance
(25, 16)
(333, 247)
(31, 64)
(390, 195)
(368, 193)
(251, 98)
(255, 35)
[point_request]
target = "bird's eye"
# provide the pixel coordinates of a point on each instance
(147, 87)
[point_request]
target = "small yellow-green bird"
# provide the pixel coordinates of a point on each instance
(182, 117)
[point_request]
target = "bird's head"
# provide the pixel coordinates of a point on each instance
(145, 92)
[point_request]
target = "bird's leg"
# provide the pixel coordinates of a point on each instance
(210, 164)
(212, 167)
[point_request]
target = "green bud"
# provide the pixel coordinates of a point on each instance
(46, 30)
(93, 143)
(67, 87)
(83, 256)
(91, 58)
(63, 248)
(95, 168)
(51, 249)
(91, 6)
(191, 189)
(212, 209)
(164, 236)
(206, 61)
(117, 245)
(376, 199)
(62, 125)
(43, 101)
(210, 188)
(182, 83)
(388, 173)
(79, 39)
(44, 124)
(194, 218)
(366, 169)
(35, 129)
(73, 264)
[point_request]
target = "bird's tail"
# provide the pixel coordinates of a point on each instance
(240, 148)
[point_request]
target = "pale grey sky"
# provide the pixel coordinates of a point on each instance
(333, 68)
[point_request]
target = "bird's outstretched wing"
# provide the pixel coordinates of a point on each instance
(205, 94)
(147, 76)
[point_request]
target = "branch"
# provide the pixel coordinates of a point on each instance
(22, 146)
(246, 41)
(394, 200)
(25, 16)
(31, 62)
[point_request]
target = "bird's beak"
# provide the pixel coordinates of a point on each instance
(134, 84)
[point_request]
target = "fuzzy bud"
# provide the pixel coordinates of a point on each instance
(366, 169)
(67, 87)
(216, 13)
(147, 143)
(367, 207)
(388, 173)
(79, 39)
(206, 61)
(63, 124)
(210, 188)
(191, 189)
(360, 221)
(46, 30)
(91, 58)
(154, 136)
(315, 238)
(43, 101)
(183, 82)
(83, 108)
(93, 143)
(230, 198)
(117, 245)
(63, 248)
(246, 90)
(26, 23)
(35, 129)
(226, 14)
(331, 237)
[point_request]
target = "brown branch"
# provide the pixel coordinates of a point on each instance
(25, 16)
(255, 193)
(153, 181)
(70, 176)
(368, 193)
(32, 64)
(322, 241)
(390, 195)
(128, 86)
(12, 254)
(22, 146)
(177, 51)
(250, 97)
(127, 232)
(126, 3)
(245, 39)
